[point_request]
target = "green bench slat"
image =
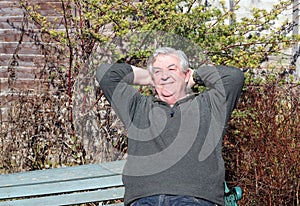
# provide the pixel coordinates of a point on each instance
(69, 199)
(60, 187)
(118, 204)
(62, 174)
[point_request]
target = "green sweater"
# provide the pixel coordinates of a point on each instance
(178, 150)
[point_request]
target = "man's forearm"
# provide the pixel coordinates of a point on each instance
(141, 76)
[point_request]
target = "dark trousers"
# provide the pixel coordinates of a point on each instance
(171, 200)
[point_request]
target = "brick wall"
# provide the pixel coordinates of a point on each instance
(20, 57)
(19, 62)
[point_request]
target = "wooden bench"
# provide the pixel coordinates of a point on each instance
(94, 183)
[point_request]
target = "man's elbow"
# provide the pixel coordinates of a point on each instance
(102, 74)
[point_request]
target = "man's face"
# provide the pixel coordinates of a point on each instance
(169, 80)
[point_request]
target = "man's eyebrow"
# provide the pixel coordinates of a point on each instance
(167, 66)
(171, 65)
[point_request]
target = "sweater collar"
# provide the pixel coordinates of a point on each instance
(180, 101)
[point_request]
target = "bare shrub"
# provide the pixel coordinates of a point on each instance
(262, 145)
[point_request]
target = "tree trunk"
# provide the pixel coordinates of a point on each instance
(296, 49)
(231, 8)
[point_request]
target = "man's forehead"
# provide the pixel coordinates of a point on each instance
(168, 66)
(166, 60)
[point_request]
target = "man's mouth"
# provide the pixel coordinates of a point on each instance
(165, 90)
(165, 86)
(166, 83)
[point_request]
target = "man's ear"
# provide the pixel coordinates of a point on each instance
(188, 75)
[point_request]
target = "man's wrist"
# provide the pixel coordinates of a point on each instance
(142, 76)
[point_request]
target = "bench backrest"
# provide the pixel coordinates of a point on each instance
(64, 186)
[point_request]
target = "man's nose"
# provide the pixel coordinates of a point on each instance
(165, 74)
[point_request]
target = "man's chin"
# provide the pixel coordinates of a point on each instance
(168, 98)
(167, 94)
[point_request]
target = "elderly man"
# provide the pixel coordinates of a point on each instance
(174, 137)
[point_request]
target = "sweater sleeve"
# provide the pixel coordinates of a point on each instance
(115, 81)
(224, 86)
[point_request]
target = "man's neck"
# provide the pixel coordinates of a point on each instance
(172, 100)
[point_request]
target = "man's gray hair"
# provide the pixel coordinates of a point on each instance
(183, 60)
